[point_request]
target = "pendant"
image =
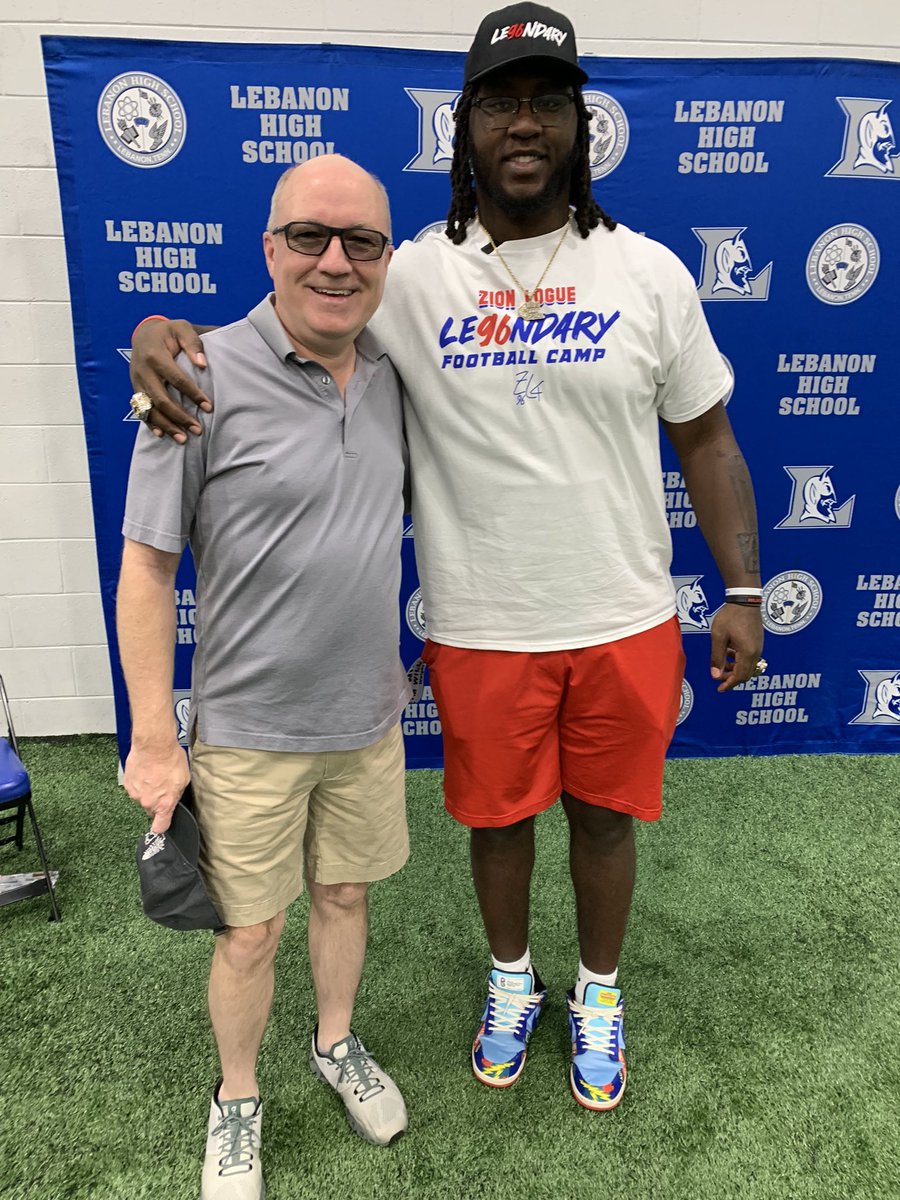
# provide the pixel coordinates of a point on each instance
(530, 311)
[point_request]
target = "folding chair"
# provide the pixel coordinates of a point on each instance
(15, 801)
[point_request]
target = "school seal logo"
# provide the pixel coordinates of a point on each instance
(687, 702)
(842, 264)
(141, 119)
(608, 133)
(790, 602)
(434, 227)
(415, 615)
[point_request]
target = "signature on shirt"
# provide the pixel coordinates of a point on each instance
(526, 388)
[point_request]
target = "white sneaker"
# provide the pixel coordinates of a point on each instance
(375, 1108)
(232, 1169)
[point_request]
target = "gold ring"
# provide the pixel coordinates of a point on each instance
(141, 405)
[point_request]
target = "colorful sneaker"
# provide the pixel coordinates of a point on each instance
(598, 1071)
(513, 1006)
(375, 1108)
(232, 1169)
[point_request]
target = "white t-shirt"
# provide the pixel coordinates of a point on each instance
(538, 506)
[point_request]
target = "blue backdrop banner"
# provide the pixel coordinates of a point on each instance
(773, 180)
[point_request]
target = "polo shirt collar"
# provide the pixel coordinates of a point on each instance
(264, 320)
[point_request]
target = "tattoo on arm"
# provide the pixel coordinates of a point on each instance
(749, 547)
(743, 492)
(742, 488)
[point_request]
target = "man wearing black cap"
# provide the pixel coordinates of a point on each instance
(541, 345)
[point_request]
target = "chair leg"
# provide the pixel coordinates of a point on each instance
(56, 915)
(20, 825)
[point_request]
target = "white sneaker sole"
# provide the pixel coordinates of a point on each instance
(353, 1121)
(262, 1195)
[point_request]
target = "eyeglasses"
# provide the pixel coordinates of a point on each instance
(308, 237)
(499, 112)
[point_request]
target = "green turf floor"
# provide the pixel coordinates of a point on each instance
(760, 975)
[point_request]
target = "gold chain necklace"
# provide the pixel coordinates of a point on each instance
(530, 310)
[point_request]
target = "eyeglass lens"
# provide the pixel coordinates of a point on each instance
(501, 111)
(306, 237)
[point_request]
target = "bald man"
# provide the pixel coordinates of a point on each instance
(292, 504)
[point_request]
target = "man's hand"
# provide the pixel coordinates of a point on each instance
(737, 641)
(156, 776)
(153, 351)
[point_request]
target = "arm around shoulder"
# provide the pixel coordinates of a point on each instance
(155, 345)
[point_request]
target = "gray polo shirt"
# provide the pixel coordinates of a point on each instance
(292, 501)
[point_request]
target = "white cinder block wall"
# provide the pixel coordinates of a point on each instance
(52, 643)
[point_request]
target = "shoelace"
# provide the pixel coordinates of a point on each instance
(358, 1068)
(598, 1028)
(508, 1010)
(237, 1142)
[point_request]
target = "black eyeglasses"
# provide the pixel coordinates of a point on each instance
(499, 112)
(308, 237)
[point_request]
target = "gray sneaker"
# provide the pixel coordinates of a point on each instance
(232, 1169)
(375, 1108)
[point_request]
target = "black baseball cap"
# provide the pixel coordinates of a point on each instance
(520, 33)
(172, 889)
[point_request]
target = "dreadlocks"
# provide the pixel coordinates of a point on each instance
(588, 213)
(462, 189)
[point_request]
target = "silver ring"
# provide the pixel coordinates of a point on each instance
(141, 405)
(761, 667)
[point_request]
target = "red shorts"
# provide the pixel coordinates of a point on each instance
(521, 727)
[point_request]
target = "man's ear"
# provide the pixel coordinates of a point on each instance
(269, 251)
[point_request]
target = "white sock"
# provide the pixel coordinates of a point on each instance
(518, 967)
(585, 977)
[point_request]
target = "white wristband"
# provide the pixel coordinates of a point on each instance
(743, 591)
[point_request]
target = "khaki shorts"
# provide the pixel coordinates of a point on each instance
(267, 817)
